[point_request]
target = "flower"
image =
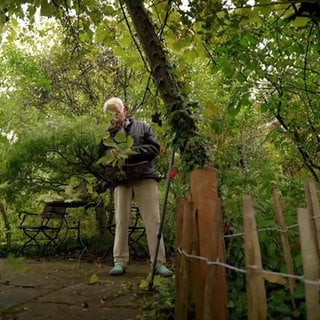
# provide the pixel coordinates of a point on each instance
(172, 174)
(228, 228)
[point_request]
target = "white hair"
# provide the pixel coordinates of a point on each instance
(111, 103)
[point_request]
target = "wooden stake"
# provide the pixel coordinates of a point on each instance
(204, 194)
(310, 264)
(178, 256)
(196, 264)
(179, 220)
(256, 294)
(313, 209)
(284, 240)
(185, 208)
(215, 295)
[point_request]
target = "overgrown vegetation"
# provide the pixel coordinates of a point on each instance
(161, 304)
(247, 75)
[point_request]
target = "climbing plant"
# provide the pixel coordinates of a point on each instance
(234, 85)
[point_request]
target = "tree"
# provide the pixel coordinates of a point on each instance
(241, 33)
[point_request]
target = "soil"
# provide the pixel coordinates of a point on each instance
(69, 289)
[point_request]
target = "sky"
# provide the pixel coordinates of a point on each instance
(228, 4)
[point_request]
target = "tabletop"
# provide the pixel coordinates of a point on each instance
(71, 203)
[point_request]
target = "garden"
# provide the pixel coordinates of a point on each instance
(229, 85)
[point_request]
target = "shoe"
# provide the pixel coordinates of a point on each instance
(162, 270)
(117, 270)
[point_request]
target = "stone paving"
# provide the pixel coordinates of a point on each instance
(68, 289)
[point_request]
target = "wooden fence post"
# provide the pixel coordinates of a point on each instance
(284, 240)
(310, 259)
(204, 194)
(215, 289)
(196, 285)
(178, 256)
(179, 220)
(256, 294)
(185, 208)
(313, 208)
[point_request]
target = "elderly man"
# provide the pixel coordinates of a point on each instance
(143, 188)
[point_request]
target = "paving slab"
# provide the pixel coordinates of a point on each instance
(68, 289)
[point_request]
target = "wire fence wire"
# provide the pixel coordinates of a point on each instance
(225, 265)
(262, 229)
(230, 267)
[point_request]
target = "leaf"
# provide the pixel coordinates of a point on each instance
(180, 44)
(47, 10)
(126, 41)
(274, 278)
(212, 107)
(120, 137)
(130, 142)
(272, 248)
(191, 54)
(300, 21)
(108, 142)
(122, 148)
(107, 159)
(264, 107)
(298, 261)
(234, 108)
(132, 152)
(94, 279)
(245, 100)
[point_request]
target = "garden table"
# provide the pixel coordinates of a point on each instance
(51, 227)
(73, 203)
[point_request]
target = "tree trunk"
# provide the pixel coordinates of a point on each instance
(178, 114)
(6, 223)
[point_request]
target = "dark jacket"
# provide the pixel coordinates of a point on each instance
(141, 164)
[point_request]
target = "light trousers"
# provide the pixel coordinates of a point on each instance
(146, 194)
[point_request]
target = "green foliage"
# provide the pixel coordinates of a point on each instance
(27, 70)
(17, 263)
(254, 73)
(237, 304)
(158, 304)
(279, 300)
(47, 155)
(196, 154)
(121, 149)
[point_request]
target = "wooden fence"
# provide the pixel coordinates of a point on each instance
(201, 263)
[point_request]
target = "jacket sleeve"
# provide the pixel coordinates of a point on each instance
(148, 149)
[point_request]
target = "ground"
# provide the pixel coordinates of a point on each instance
(69, 289)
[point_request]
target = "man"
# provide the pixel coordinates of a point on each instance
(143, 188)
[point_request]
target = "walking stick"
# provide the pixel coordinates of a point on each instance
(163, 213)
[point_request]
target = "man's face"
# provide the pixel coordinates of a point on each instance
(120, 115)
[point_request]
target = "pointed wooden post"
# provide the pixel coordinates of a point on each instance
(311, 265)
(256, 293)
(215, 289)
(204, 195)
(183, 271)
(284, 240)
(179, 220)
(313, 208)
(178, 256)
(196, 285)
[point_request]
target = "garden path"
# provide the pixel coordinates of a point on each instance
(68, 289)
